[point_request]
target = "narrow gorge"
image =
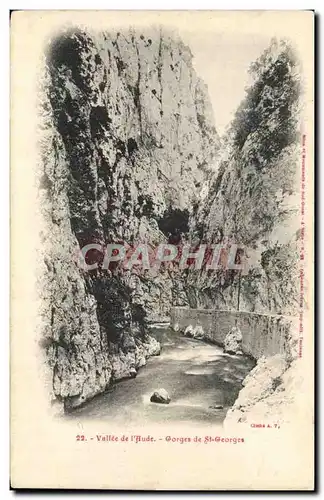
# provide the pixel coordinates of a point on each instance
(130, 155)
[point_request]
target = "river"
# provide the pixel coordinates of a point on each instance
(198, 376)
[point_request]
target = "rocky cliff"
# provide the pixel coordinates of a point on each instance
(253, 198)
(127, 137)
(130, 154)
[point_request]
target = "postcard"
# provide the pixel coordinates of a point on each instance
(162, 250)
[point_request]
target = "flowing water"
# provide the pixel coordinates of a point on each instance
(198, 377)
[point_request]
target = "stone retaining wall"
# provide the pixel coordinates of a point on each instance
(263, 335)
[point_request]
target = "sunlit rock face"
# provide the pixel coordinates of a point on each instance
(272, 391)
(253, 199)
(127, 138)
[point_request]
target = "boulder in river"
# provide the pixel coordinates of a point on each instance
(198, 332)
(160, 396)
(233, 341)
(195, 332)
(188, 331)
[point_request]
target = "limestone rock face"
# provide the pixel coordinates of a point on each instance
(126, 136)
(272, 391)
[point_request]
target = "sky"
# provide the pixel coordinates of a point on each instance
(222, 61)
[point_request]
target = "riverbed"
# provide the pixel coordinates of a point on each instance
(202, 381)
